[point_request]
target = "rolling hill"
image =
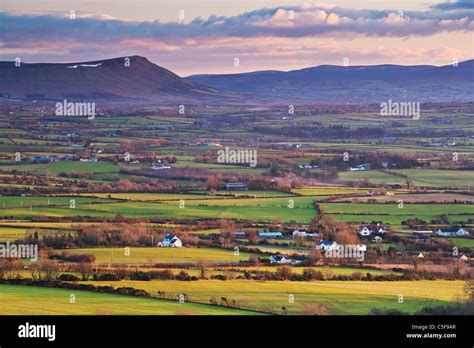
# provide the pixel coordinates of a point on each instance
(327, 83)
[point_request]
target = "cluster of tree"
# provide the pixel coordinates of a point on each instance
(330, 229)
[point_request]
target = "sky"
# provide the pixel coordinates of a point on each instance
(232, 36)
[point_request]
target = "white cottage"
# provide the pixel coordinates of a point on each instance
(170, 241)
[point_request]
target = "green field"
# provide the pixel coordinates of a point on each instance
(341, 297)
(328, 190)
(373, 176)
(64, 167)
(440, 178)
(419, 177)
(29, 300)
(10, 234)
(259, 209)
(462, 242)
(390, 213)
(26, 202)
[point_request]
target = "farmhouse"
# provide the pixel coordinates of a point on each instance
(285, 260)
(44, 159)
(367, 230)
(297, 233)
(279, 259)
(160, 167)
(270, 234)
(420, 238)
(235, 186)
(326, 245)
(452, 232)
(363, 166)
(170, 241)
(239, 234)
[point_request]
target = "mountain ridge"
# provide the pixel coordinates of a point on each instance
(143, 81)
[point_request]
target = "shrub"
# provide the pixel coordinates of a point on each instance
(68, 278)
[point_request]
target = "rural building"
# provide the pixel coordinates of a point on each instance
(420, 238)
(326, 245)
(235, 186)
(367, 230)
(425, 233)
(161, 167)
(170, 241)
(285, 260)
(239, 234)
(452, 232)
(297, 233)
(363, 166)
(44, 159)
(270, 234)
(279, 259)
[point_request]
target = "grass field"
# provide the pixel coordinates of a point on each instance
(463, 242)
(341, 297)
(28, 300)
(440, 178)
(327, 271)
(419, 177)
(10, 234)
(18, 202)
(373, 176)
(141, 255)
(390, 213)
(328, 190)
(258, 209)
(64, 167)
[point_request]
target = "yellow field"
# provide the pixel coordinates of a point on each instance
(138, 255)
(340, 297)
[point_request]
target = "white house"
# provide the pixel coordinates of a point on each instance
(280, 259)
(367, 230)
(297, 233)
(161, 167)
(326, 245)
(170, 241)
(452, 232)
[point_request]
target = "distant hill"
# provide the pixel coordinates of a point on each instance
(327, 83)
(143, 81)
(107, 79)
